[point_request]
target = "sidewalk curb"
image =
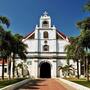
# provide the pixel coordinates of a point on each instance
(15, 85)
(74, 85)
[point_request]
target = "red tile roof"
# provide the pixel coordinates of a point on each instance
(28, 34)
(61, 34)
(5, 61)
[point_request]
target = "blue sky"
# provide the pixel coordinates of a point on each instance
(25, 14)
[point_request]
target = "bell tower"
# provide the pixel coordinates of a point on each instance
(45, 21)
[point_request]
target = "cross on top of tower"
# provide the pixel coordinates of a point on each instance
(45, 13)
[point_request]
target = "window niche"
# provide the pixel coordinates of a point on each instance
(45, 48)
(45, 24)
(45, 34)
(29, 63)
(5, 70)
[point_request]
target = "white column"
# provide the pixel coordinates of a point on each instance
(7, 70)
(11, 69)
(79, 68)
(61, 74)
(35, 68)
(53, 69)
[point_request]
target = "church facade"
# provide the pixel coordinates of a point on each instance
(46, 49)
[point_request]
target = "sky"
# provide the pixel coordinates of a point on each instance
(25, 14)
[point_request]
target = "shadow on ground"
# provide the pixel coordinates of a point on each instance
(34, 84)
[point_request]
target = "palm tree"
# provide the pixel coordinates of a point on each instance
(4, 20)
(84, 24)
(18, 49)
(3, 43)
(85, 42)
(8, 38)
(20, 65)
(10, 44)
(66, 69)
(24, 69)
(74, 51)
(4, 49)
(84, 39)
(87, 6)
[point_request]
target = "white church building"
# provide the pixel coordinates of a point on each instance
(45, 51)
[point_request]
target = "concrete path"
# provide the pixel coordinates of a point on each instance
(45, 84)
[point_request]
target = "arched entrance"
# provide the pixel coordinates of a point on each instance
(45, 70)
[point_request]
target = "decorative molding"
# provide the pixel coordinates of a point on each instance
(35, 60)
(45, 57)
(54, 61)
(48, 52)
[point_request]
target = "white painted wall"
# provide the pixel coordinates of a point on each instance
(0, 70)
(5, 73)
(61, 45)
(32, 45)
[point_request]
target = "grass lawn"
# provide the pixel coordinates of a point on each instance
(80, 81)
(8, 82)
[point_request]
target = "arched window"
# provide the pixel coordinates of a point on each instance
(45, 24)
(45, 48)
(45, 34)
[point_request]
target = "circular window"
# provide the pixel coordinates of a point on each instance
(45, 41)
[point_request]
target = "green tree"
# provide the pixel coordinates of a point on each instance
(84, 39)
(4, 46)
(74, 51)
(87, 6)
(4, 20)
(8, 38)
(20, 65)
(18, 49)
(67, 69)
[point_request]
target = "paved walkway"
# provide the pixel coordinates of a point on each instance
(44, 84)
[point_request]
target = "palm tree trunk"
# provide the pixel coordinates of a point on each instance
(22, 71)
(87, 66)
(13, 65)
(68, 65)
(77, 69)
(87, 69)
(17, 72)
(84, 67)
(9, 68)
(2, 68)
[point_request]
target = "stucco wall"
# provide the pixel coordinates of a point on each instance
(32, 45)
(0, 70)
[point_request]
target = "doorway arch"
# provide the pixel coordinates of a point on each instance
(45, 70)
